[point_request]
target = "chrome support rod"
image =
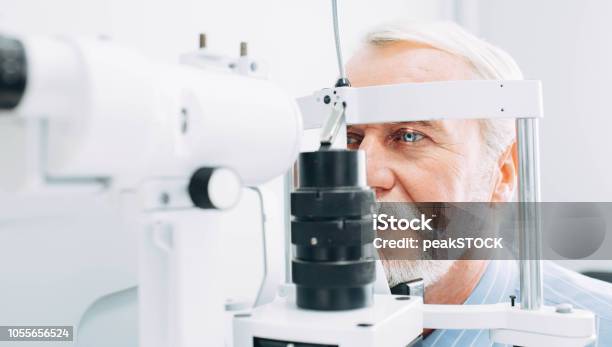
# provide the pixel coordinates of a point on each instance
(530, 227)
(287, 189)
(341, 70)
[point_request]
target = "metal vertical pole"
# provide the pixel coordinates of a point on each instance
(530, 228)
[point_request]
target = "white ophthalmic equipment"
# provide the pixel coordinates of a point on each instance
(100, 119)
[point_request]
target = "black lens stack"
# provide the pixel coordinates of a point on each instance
(333, 266)
(12, 72)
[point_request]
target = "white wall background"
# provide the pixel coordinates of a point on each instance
(567, 45)
(294, 37)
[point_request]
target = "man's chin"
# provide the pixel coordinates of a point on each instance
(401, 271)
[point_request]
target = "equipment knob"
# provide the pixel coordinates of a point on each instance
(215, 188)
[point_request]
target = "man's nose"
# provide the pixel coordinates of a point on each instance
(380, 175)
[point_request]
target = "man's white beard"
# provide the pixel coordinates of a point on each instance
(405, 270)
(400, 271)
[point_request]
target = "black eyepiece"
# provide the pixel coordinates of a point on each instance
(333, 267)
(13, 72)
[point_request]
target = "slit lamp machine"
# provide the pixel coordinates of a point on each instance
(102, 118)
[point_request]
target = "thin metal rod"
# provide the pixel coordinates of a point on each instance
(332, 126)
(202, 40)
(244, 51)
(287, 189)
(530, 227)
(337, 39)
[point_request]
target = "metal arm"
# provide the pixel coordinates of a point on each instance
(477, 99)
(530, 228)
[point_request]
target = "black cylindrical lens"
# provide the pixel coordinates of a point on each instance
(13, 72)
(333, 267)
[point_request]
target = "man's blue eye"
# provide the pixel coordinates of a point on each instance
(411, 136)
(352, 139)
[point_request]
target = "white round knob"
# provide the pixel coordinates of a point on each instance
(215, 188)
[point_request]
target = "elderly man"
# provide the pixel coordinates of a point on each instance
(453, 161)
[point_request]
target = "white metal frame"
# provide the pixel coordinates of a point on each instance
(473, 99)
(390, 323)
(512, 325)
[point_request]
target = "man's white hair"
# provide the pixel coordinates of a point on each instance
(489, 62)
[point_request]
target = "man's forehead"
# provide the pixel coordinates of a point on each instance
(403, 62)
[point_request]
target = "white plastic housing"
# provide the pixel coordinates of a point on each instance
(114, 114)
(388, 322)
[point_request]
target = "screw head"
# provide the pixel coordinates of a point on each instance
(184, 121)
(164, 198)
(564, 308)
(202, 42)
(512, 300)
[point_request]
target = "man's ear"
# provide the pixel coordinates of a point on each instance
(507, 175)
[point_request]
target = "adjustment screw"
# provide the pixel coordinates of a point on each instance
(564, 308)
(202, 40)
(164, 198)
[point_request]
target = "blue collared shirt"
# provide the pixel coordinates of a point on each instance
(500, 280)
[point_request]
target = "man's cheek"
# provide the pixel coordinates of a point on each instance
(429, 185)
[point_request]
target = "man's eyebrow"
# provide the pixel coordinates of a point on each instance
(433, 125)
(436, 125)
